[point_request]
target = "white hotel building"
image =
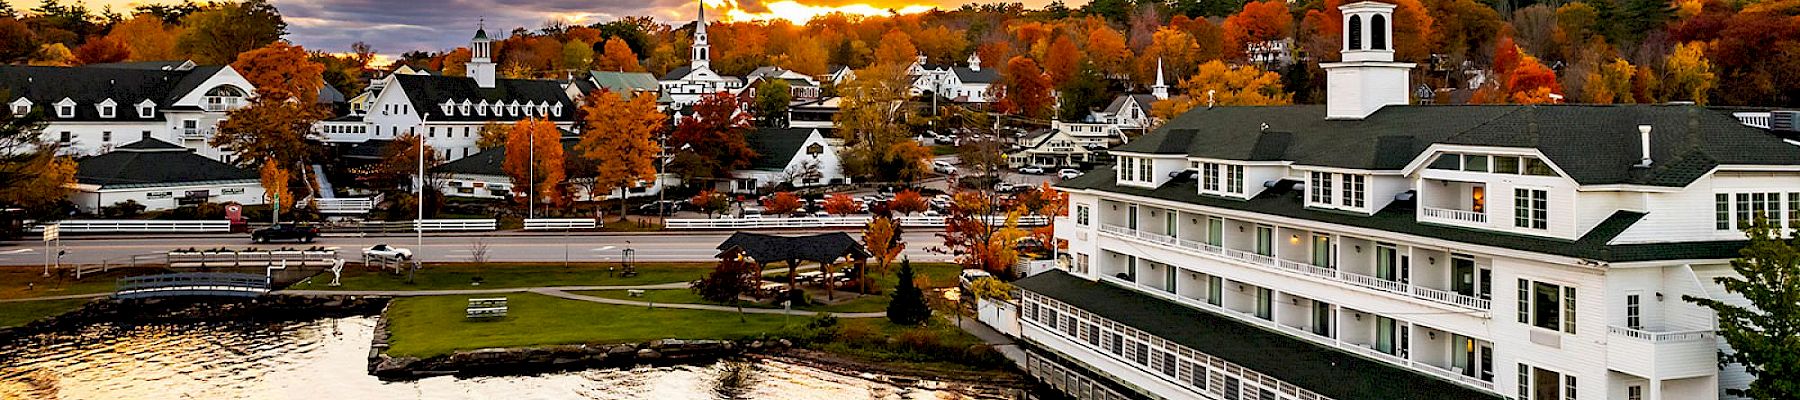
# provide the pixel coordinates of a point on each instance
(1370, 249)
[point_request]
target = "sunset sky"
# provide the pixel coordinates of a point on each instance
(398, 26)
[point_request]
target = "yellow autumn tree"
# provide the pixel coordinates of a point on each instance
(148, 38)
(1610, 83)
(1221, 85)
(281, 71)
(1687, 75)
(534, 160)
(275, 185)
(620, 140)
(896, 48)
(53, 55)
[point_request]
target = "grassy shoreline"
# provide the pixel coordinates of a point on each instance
(18, 314)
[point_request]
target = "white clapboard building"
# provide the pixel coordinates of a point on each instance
(93, 109)
(1371, 249)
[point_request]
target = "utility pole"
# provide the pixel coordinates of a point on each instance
(419, 188)
(530, 171)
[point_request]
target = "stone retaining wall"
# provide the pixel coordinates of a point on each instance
(503, 361)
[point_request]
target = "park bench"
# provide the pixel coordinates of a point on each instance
(487, 308)
(634, 292)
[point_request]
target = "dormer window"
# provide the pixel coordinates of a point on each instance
(556, 110)
(448, 108)
(1221, 179)
(21, 106)
(464, 108)
(498, 109)
(65, 109)
(146, 109)
(108, 109)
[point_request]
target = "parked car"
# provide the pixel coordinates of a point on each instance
(659, 208)
(943, 167)
(753, 213)
(386, 251)
(1006, 187)
(969, 276)
(1067, 173)
(1032, 170)
(285, 232)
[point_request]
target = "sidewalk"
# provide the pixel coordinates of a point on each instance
(1000, 341)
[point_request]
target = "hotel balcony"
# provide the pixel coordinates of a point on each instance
(197, 133)
(1453, 203)
(1333, 276)
(1662, 354)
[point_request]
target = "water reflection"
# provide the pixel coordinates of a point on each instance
(324, 359)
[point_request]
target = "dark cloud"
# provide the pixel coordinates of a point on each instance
(396, 27)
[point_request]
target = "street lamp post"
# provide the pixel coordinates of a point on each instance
(419, 187)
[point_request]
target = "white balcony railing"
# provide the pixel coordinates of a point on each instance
(1661, 337)
(1296, 332)
(1454, 215)
(1308, 270)
(222, 103)
(197, 133)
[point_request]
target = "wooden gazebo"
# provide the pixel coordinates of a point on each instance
(825, 249)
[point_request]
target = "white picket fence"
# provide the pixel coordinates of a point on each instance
(435, 225)
(828, 222)
(140, 226)
(535, 224)
(346, 205)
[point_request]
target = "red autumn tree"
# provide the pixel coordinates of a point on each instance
(1026, 89)
(102, 49)
(1258, 22)
(840, 204)
(1063, 60)
(714, 138)
(907, 202)
(781, 204)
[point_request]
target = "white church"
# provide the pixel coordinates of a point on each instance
(687, 85)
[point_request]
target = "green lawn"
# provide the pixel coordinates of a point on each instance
(24, 282)
(510, 275)
(21, 313)
(429, 326)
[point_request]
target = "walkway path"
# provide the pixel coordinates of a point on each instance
(993, 337)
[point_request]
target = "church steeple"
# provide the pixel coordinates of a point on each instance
(481, 57)
(1160, 90)
(702, 57)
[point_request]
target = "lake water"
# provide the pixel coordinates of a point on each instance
(326, 359)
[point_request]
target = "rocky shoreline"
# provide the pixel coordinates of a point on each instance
(507, 361)
(267, 308)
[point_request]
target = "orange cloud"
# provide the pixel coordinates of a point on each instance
(798, 13)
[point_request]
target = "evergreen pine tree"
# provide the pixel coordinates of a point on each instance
(908, 306)
(1764, 338)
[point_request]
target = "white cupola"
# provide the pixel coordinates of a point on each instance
(481, 58)
(702, 57)
(1367, 78)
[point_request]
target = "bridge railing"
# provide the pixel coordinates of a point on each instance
(258, 259)
(192, 284)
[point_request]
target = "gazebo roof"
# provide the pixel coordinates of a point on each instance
(821, 248)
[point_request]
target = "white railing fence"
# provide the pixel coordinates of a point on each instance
(1455, 215)
(434, 225)
(140, 226)
(1661, 337)
(534, 224)
(345, 205)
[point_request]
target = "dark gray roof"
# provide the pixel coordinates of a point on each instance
(967, 75)
(1593, 144)
(488, 162)
(823, 248)
(776, 147)
(677, 73)
(1143, 101)
(328, 94)
(153, 162)
(1399, 217)
(151, 65)
(89, 86)
(368, 150)
(1328, 372)
(428, 91)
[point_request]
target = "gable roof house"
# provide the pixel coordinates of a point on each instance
(687, 85)
(1397, 251)
(449, 111)
(160, 175)
(789, 157)
(92, 109)
(970, 84)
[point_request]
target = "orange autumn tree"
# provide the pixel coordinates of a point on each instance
(534, 160)
(1258, 22)
(907, 202)
(896, 48)
(1221, 85)
(281, 71)
(1106, 49)
(275, 185)
(1522, 78)
(781, 204)
(882, 238)
(620, 139)
(148, 37)
(617, 56)
(839, 204)
(1062, 61)
(1026, 89)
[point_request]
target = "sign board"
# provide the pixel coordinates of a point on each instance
(159, 195)
(231, 191)
(52, 232)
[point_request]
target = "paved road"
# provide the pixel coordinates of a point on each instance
(501, 247)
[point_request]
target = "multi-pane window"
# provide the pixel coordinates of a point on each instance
(1199, 378)
(1145, 172)
(1746, 207)
(1319, 190)
(1140, 353)
(1530, 208)
(1722, 211)
(1081, 214)
(1547, 305)
(1127, 166)
(1633, 317)
(1354, 188)
(1209, 174)
(1234, 179)
(1542, 384)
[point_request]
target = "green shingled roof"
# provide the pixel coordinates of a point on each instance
(1328, 372)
